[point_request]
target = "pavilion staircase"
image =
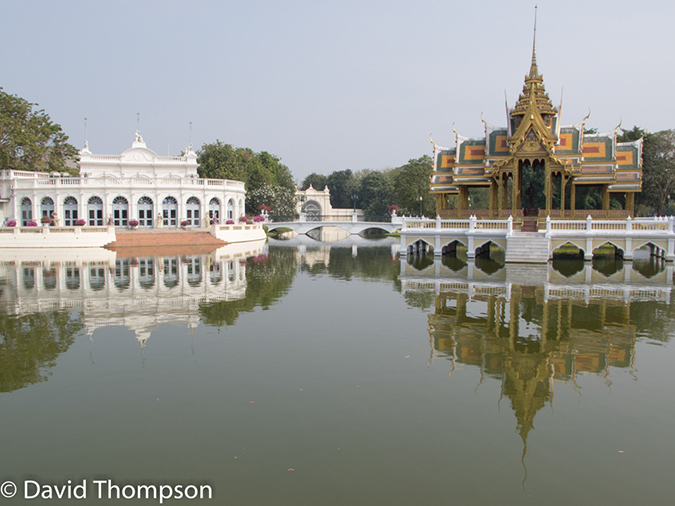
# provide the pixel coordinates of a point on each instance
(527, 247)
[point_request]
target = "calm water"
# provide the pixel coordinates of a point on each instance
(306, 373)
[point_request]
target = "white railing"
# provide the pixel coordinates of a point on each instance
(589, 226)
(116, 182)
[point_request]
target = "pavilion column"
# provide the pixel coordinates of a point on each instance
(500, 196)
(605, 199)
(494, 194)
(505, 191)
(463, 200)
(515, 193)
(562, 195)
(573, 199)
(630, 203)
(548, 190)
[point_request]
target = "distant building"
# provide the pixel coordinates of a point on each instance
(315, 205)
(157, 191)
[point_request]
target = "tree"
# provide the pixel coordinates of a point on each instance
(316, 181)
(29, 140)
(342, 186)
(630, 135)
(281, 200)
(658, 175)
(412, 182)
(258, 171)
(376, 194)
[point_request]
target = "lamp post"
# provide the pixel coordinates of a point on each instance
(420, 206)
(354, 199)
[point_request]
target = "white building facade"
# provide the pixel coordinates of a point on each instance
(136, 186)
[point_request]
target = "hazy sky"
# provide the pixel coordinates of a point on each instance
(330, 85)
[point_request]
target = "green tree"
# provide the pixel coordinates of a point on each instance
(630, 135)
(30, 140)
(376, 194)
(317, 181)
(282, 201)
(658, 175)
(260, 172)
(342, 186)
(412, 182)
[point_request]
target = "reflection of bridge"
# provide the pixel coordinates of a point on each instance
(353, 227)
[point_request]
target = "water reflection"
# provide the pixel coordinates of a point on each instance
(531, 327)
(137, 293)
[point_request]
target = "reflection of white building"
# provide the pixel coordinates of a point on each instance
(138, 185)
(136, 293)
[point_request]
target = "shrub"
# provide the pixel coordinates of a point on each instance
(393, 208)
(133, 223)
(80, 223)
(259, 219)
(229, 222)
(243, 219)
(45, 219)
(11, 223)
(31, 224)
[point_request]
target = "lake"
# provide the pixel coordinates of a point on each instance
(311, 373)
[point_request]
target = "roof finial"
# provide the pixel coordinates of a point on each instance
(533, 67)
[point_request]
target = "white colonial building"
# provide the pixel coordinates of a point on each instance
(156, 191)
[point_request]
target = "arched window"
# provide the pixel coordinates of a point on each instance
(120, 212)
(145, 212)
(95, 211)
(192, 210)
(312, 210)
(214, 210)
(47, 207)
(230, 209)
(26, 211)
(70, 211)
(170, 212)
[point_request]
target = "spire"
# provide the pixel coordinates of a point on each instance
(534, 71)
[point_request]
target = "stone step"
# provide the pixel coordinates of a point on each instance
(174, 238)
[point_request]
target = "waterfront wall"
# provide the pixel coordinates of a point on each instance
(56, 237)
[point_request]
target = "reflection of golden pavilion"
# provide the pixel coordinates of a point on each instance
(136, 293)
(528, 341)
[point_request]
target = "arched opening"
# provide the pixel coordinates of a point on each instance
(146, 272)
(214, 210)
(121, 278)
(419, 248)
(26, 211)
(169, 212)
(607, 259)
(95, 211)
(145, 212)
(47, 207)
(312, 210)
(568, 251)
(194, 270)
(120, 212)
(70, 211)
(647, 262)
(96, 278)
(490, 257)
(455, 255)
(192, 209)
(230, 209)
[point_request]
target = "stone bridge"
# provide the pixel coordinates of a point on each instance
(353, 227)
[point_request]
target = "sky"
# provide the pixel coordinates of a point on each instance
(330, 85)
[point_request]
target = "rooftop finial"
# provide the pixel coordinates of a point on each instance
(533, 68)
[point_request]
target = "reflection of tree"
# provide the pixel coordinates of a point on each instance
(268, 279)
(30, 344)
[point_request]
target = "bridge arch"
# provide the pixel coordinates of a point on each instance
(419, 247)
(602, 250)
(568, 249)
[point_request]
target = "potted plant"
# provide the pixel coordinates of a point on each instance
(229, 222)
(31, 224)
(243, 219)
(11, 223)
(133, 223)
(80, 223)
(393, 209)
(46, 220)
(184, 223)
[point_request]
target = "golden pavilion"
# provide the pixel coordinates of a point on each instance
(537, 167)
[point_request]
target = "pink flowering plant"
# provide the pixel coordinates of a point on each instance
(80, 223)
(11, 223)
(243, 219)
